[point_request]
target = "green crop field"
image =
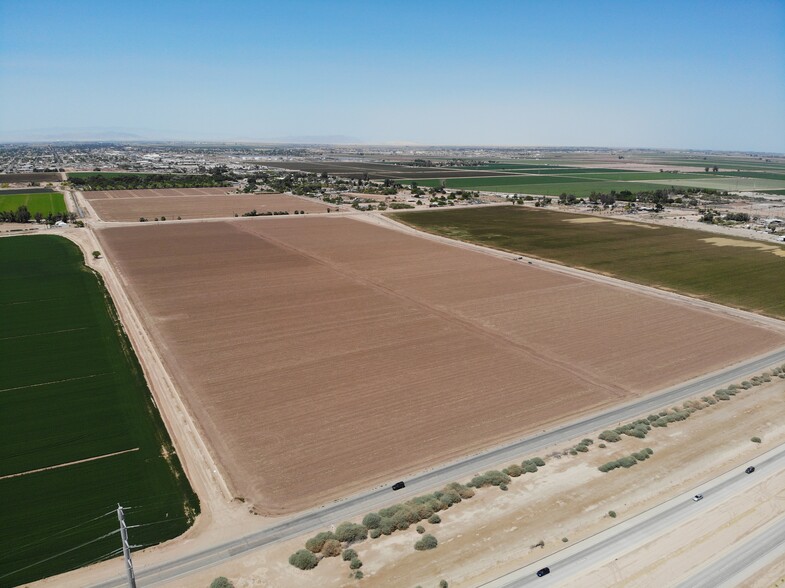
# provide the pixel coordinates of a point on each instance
(542, 185)
(728, 184)
(676, 259)
(71, 390)
(42, 202)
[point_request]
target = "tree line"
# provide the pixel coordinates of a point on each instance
(23, 215)
(217, 178)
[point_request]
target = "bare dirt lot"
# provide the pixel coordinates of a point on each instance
(191, 203)
(323, 355)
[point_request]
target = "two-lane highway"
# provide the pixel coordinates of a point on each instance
(636, 531)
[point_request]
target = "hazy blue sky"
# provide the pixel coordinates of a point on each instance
(629, 73)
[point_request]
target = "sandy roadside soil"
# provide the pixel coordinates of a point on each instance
(493, 533)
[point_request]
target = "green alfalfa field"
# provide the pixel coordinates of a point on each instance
(749, 275)
(44, 202)
(72, 390)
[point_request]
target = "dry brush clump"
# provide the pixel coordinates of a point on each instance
(427, 542)
(627, 461)
(385, 522)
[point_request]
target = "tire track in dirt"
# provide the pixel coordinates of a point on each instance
(540, 357)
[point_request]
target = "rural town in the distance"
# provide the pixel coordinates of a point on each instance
(248, 355)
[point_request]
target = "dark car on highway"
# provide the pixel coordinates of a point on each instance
(543, 572)
(398, 486)
(749, 470)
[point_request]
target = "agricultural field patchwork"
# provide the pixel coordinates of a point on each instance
(43, 202)
(80, 430)
(326, 355)
(553, 177)
(742, 273)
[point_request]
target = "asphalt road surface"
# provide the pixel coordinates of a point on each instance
(733, 569)
(360, 504)
(632, 533)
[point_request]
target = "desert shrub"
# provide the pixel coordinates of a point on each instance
(627, 461)
(503, 487)
(746, 385)
(449, 498)
(489, 478)
(434, 519)
(358, 575)
(411, 514)
(463, 491)
(355, 564)
(529, 466)
(389, 511)
(721, 396)
(649, 451)
(372, 520)
(653, 417)
(514, 470)
(581, 448)
(399, 521)
(755, 439)
(611, 465)
(315, 543)
(602, 446)
(351, 532)
(375, 533)
(443, 584)
(610, 436)
(332, 548)
(573, 452)
(221, 582)
(564, 539)
(427, 542)
(420, 529)
(539, 462)
(303, 559)
(348, 554)
(386, 526)
(612, 514)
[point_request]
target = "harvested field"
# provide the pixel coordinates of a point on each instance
(325, 355)
(191, 203)
(30, 177)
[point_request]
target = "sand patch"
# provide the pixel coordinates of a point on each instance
(723, 242)
(593, 219)
(587, 221)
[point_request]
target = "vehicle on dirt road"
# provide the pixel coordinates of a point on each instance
(543, 572)
(398, 486)
(749, 470)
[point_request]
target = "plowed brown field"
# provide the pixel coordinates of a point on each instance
(191, 203)
(324, 355)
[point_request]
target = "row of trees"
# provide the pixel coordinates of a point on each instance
(23, 215)
(216, 178)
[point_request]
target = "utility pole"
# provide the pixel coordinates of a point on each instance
(129, 566)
